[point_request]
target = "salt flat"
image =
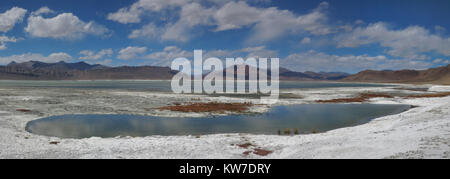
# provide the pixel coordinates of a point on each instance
(422, 132)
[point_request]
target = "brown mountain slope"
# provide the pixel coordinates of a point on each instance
(34, 70)
(440, 75)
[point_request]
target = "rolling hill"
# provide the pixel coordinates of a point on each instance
(440, 75)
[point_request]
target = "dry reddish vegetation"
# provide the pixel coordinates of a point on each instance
(370, 95)
(434, 95)
(245, 146)
(361, 98)
(260, 152)
(209, 107)
(255, 150)
(23, 110)
(343, 100)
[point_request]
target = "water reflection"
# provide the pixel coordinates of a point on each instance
(305, 117)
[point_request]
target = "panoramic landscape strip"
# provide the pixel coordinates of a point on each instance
(231, 79)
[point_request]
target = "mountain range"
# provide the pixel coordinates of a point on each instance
(286, 74)
(439, 75)
(35, 70)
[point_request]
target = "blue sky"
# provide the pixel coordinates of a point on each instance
(314, 35)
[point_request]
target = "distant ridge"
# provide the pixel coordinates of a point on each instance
(286, 74)
(35, 70)
(440, 75)
(55, 66)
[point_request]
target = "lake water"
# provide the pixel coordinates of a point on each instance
(306, 118)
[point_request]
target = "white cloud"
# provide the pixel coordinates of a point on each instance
(56, 57)
(191, 15)
(410, 42)
(10, 18)
(440, 61)
(270, 23)
(359, 21)
(266, 23)
(440, 29)
(346, 27)
(134, 13)
(131, 52)
(235, 15)
(90, 55)
(125, 16)
(63, 26)
(149, 31)
(437, 60)
(257, 52)
(169, 53)
(42, 10)
(4, 40)
(249, 52)
(306, 40)
(317, 61)
(52, 58)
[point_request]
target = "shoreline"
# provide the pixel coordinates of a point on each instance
(421, 132)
